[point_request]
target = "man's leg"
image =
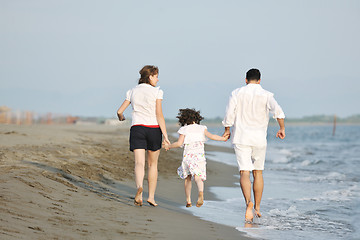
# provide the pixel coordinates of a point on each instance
(258, 187)
(245, 185)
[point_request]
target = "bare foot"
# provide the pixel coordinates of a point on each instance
(257, 213)
(249, 216)
(200, 200)
(154, 204)
(138, 201)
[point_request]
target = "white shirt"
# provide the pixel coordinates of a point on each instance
(193, 133)
(143, 101)
(194, 140)
(248, 111)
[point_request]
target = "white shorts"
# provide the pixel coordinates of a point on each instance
(250, 158)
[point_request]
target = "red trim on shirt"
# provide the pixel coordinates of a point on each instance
(149, 126)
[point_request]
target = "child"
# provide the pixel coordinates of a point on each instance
(192, 138)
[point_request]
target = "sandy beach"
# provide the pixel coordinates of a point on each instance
(77, 182)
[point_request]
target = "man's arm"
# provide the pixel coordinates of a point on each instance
(227, 133)
(230, 114)
(281, 133)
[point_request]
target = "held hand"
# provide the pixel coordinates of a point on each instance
(281, 134)
(165, 146)
(226, 135)
(166, 143)
(224, 138)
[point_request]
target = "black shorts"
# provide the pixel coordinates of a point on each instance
(147, 138)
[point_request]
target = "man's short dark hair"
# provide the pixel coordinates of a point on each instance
(253, 74)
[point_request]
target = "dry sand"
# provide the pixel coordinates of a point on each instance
(77, 182)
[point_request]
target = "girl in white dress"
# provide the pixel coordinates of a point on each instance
(192, 137)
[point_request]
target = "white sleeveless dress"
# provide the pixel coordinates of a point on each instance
(194, 161)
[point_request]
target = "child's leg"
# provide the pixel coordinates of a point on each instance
(200, 185)
(188, 189)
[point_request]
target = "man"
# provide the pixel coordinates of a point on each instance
(248, 113)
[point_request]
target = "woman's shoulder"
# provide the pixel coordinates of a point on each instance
(156, 91)
(147, 89)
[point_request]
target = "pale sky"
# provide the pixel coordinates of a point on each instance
(80, 57)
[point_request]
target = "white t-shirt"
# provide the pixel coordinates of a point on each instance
(143, 101)
(248, 111)
(193, 133)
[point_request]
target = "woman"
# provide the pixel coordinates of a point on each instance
(147, 128)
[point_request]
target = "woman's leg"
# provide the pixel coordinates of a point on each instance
(139, 167)
(139, 172)
(153, 157)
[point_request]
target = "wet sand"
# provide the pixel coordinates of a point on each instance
(77, 182)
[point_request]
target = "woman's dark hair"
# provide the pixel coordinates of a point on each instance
(146, 72)
(189, 116)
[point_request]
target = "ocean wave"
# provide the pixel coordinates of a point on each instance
(290, 212)
(304, 224)
(311, 162)
(330, 177)
(339, 195)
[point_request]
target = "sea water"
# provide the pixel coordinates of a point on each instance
(311, 189)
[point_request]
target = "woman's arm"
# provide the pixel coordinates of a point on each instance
(121, 110)
(160, 119)
(215, 137)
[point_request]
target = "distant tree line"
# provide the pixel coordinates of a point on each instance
(355, 119)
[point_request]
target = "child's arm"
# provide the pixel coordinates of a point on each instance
(176, 144)
(215, 137)
(121, 110)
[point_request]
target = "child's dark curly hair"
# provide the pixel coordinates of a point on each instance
(189, 116)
